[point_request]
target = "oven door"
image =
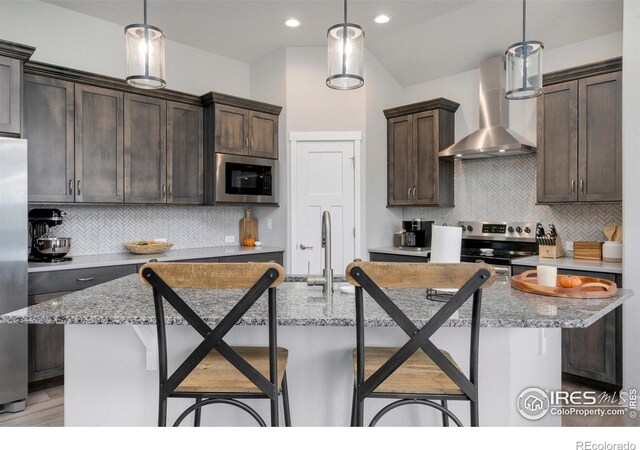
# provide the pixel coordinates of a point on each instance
(243, 179)
(503, 271)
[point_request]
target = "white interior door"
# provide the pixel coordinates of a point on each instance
(324, 181)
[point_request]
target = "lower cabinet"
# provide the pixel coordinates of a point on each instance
(595, 353)
(387, 257)
(46, 342)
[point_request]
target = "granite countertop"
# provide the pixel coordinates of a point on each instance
(424, 252)
(570, 263)
(122, 259)
(126, 301)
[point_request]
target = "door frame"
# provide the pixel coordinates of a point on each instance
(296, 137)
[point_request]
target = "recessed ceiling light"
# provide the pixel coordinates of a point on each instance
(292, 23)
(381, 18)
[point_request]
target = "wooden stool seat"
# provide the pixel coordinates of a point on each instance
(216, 374)
(419, 374)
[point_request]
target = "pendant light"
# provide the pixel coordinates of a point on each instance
(145, 55)
(524, 65)
(345, 43)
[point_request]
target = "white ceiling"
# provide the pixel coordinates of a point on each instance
(425, 40)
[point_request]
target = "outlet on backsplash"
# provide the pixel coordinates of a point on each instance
(229, 239)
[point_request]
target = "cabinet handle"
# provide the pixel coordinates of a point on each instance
(573, 186)
(170, 190)
(85, 279)
(414, 193)
(70, 187)
(582, 186)
(251, 140)
(164, 191)
(246, 143)
(409, 194)
(78, 190)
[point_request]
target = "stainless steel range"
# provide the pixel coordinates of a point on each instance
(497, 243)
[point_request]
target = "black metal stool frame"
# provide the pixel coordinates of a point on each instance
(213, 338)
(419, 339)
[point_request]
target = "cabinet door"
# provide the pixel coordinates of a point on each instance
(46, 345)
(10, 93)
(232, 130)
(145, 155)
(263, 135)
(49, 127)
(600, 138)
(425, 158)
(99, 150)
(400, 161)
(558, 143)
(184, 154)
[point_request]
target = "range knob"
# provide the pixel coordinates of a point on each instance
(463, 228)
(527, 230)
(510, 229)
(518, 230)
(469, 228)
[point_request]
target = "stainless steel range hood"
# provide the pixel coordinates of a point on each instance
(494, 137)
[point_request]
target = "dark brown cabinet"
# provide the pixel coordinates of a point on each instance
(239, 126)
(415, 135)
(595, 353)
(145, 152)
(185, 154)
(580, 140)
(99, 145)
(49, 128)
(46, 342)
(10, 96)
(12, 59)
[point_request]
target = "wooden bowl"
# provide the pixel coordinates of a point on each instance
(149, 249)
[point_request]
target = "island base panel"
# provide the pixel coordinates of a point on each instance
(107, 383)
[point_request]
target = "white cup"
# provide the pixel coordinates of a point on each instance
(547, 276)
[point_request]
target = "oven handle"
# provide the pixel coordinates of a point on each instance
(503, 270)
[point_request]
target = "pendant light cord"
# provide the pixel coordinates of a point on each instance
(345, 11)
(524, 19)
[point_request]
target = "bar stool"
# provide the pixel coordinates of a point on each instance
(418, 372)
(215, 372)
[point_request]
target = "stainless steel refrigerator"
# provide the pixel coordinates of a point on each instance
(13, 271)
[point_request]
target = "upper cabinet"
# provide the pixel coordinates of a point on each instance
(49, 129)
(416, 134)
(240, 127)
(91, 143)
(12, 58)
(580, 135)
(145, 151)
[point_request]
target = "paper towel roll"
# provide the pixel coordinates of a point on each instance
(445, 244)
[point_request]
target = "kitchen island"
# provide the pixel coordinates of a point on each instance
(111, 368)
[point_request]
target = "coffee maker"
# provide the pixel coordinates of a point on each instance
(45, 245)
(418, 233)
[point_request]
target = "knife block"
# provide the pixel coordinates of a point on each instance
(552, 251)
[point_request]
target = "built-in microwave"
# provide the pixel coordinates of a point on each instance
(245, 179)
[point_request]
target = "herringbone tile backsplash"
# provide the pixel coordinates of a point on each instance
(504, 189)
(96, 230)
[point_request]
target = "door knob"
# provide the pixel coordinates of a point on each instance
(305, 247)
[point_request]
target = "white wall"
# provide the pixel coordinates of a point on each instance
(630, 196)
(269, 84)
(78, 41)
(382, 91)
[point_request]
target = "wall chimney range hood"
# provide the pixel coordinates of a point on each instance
(494, 137)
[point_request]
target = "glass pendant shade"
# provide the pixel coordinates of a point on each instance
(145, 55)
(524, 70)
(345, 54)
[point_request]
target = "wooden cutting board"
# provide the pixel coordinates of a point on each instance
(248, 226)
(590, 288)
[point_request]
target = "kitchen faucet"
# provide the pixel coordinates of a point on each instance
(326, 279)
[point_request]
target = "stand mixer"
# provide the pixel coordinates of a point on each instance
(45, 246)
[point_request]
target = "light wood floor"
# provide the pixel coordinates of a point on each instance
(46, 409)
